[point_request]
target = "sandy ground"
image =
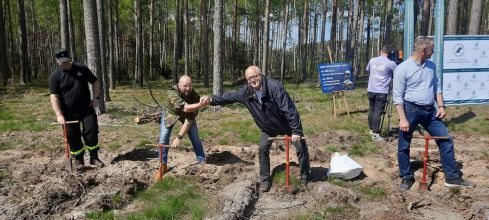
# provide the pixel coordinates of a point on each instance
(37, 186)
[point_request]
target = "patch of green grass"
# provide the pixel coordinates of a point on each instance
(372, 192)
(106, 215)
(223, 142)
(332, 212)
(114, 145)
(278, 180)
(143, 142)
(4, 175)
(364, 147)
(332, 148)
(117, 200)
(456, 191)
(171, 198)
(338, 182)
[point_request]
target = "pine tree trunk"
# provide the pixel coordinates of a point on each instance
(305, 29)
(218, 29)
(332, 41)
(266, 37)
(117, 43)
(475, 17)
(4, 65)
(388, 23)
(139, 44)
(186, 22)
(176, 42)
(235, 40)
(359, 38)
(426, 18)
(205, 44)
(101, 32)
(284, 42)
(151, 39)
(111, 49)
(24, 60)
(257, 34)
(71, 31)
(64, 30)
(93, 45)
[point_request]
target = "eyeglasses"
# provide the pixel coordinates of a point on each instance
(256, 76)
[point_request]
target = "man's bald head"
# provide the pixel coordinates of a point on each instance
(253, 77)
(185, 79)
(185, 84)
(251, 70)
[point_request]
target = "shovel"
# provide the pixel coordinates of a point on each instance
(288, 188)
(68, 164)
(160, 173)
(423, 185)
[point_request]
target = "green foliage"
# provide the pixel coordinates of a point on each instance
(332, 212)
(143, 142)
(105, 215)
(456, 191)
(278, 180)
(4, 175)
(371, 192)
(331, 148)
(171, 198)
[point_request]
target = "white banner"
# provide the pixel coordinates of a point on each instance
(466, 70)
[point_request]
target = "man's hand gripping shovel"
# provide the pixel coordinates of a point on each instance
(68, 165)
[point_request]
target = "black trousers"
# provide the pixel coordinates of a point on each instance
(377, 103)
(264, 157)
(89, 133)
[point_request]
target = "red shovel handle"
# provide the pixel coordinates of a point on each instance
(66, 141)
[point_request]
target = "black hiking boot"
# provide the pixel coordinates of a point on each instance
(94, 160)
(265, 186)
(78, 162)
(406, 184)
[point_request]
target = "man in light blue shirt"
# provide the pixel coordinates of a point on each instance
(381, 69)
(415, 86)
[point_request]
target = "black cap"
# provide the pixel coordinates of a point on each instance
(62, 55)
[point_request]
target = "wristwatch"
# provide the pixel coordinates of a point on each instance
(179, 136)
(441, 106)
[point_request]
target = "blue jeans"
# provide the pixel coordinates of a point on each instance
(426, 117)
(193, 134)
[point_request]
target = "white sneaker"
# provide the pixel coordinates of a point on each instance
(377, 137)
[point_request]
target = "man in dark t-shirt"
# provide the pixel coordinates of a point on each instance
(70, 99)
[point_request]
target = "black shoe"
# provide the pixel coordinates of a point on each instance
(406, 184)
(459, 183)
(94, 161)
(265, 186)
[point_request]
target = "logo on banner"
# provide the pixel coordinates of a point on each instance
(458, 77)
(458, 50)
(474, 77)
(483, 85)
(466, 85)
(473, 94)
(449, 87)
(476, 44)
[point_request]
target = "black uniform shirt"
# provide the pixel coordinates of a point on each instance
(72, 88)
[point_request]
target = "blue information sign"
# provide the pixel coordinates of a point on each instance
(335, 77)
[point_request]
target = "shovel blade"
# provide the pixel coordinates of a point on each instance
(68, 165)
(423, 186)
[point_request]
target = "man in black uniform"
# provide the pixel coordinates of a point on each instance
(70, 99)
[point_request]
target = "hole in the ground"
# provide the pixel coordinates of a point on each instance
(136, 155)
(225, 157)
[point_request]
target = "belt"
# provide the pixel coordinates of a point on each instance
(423, 107)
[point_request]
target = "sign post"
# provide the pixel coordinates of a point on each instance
(336, 78)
